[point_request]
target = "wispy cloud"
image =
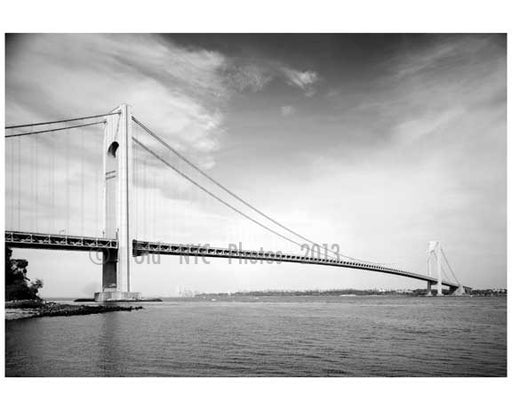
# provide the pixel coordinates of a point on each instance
(171, 88)
(305, 80)
(250, 77)
(255, 75)
(426, 139)
(422, 126)
(442, 54)
(181, 92)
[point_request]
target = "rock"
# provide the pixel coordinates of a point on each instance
(57, 309)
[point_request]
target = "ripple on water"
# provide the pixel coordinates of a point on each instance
(283, 337)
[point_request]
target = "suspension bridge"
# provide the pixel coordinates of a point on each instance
(95, 183)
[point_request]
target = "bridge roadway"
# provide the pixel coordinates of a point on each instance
(81, 243)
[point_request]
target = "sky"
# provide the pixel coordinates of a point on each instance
(376, 143)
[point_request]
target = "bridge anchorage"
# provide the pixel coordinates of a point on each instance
(119, 245)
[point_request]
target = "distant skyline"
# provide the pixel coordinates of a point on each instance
(376, 142)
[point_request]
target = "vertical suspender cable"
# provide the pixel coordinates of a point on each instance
(152, 212)
(157, 206)
(82, 181)
(185, 200)
(133, 192)
(153, 190)
(52, 185)
(135, 185)
(29, 183)
(100, 188)
(155, 203)
(150, 201)
(33, 187)
(18, 187)
(140, 184)
(48, 163)
(141, 192)
(138, 188)
(11, 188)
(174, 208)
(37, 182)
(95, 188)
(8, 159)
(30, 175)
(97, 185)
(150, 207)
(145, 199)
(66, 164)
(8, 185)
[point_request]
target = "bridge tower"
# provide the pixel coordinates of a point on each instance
(434, 255)
(117, 165)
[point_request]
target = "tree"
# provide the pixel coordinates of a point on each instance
(17, 284)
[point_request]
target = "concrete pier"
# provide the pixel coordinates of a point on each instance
(116, 296)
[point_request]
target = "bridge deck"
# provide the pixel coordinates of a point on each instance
(57, 241)
(81, 243)
(142, 247)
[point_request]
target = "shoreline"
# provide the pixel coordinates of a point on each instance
(27, 309)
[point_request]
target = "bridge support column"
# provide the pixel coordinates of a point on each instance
(117, 164)
(429, 289)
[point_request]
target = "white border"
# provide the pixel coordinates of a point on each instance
(257, 16)
(161, 16)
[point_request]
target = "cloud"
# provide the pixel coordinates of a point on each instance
(250, 77)
(423, 126)
(443, 86)
(305, 80)
(425, 139)
(255, 75)
(181, 93)
(422, 61)
(416, 151)
(287, 110)
(171, 89)
(177, 92)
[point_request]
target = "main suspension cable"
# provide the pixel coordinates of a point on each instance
(59, 121)
(179, 155)
(212, 194)
(54, 129)
(216, 182)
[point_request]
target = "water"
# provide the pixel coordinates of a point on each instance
(269, 336)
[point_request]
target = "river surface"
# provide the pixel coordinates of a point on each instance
(269, 336)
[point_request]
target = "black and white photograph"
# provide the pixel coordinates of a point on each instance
(256, 205)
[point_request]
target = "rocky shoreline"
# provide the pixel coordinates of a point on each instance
(25, 309)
